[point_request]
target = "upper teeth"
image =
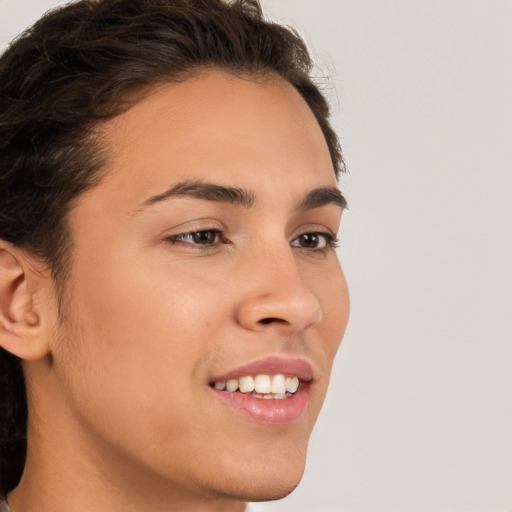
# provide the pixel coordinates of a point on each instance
(264, 384)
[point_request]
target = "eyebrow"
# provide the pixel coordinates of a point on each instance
(321, 197)
(316, 198)
(206, 191)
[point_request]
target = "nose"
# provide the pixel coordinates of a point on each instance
(277, 296)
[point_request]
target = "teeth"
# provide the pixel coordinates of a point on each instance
(246, 384)
(278, 384)
(232, 385)
(292, 384)
(262, 386)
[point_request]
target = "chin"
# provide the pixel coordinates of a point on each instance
(256, 492)
(269, 481)
(276, 493)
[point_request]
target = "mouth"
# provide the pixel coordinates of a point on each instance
(273, 391)
(273, 387)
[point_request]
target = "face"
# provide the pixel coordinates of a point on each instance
(204, 262)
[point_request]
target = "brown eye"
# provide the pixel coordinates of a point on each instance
(310, 240)
(204, 237)
(314, 241)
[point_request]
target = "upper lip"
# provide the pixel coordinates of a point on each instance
(270, 366)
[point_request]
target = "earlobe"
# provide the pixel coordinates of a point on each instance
(21, 329)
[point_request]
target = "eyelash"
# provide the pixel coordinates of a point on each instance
(330, 240)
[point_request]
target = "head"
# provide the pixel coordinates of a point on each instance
(168, 205)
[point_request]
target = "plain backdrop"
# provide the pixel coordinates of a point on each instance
(419, 414)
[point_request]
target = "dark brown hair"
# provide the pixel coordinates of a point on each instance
(74, 68)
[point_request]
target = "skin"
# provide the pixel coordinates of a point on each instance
(119, 386)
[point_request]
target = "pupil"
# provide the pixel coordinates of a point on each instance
(204, 237)
(309, 240)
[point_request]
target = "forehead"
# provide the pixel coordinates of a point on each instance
(228, 129)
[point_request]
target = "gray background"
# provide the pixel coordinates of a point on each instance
(419, 414)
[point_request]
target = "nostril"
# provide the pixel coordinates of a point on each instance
(269, 320)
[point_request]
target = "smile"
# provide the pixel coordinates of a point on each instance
(275, 387)
(272, 391)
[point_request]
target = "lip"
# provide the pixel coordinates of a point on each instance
(271, 411)
(270, 366)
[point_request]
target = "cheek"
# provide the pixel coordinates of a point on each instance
(340, 310)
(131, 356)
(141, 331)
(332, 291)
(137, 290)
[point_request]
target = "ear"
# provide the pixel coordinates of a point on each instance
(22, 332)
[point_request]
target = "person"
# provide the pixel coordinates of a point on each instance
(171, 301)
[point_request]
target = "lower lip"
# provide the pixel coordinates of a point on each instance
(268, 411)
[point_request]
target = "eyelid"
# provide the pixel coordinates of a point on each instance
(193, 226)
(190, 228)
(321, 229)
(318, 228)
(314, 228)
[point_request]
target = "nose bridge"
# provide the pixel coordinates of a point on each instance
(278, 293)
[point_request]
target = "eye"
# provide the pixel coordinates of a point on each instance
(316, 241)
(204, 237)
